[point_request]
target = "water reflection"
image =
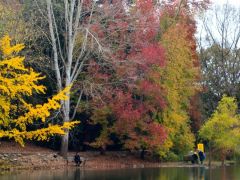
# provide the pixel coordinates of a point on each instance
(191, 173)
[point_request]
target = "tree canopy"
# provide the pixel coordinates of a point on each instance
(128, 69)
(222, 129)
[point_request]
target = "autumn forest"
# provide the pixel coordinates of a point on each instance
(117, 75)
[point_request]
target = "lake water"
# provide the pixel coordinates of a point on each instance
(183, 173)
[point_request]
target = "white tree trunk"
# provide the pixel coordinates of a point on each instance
(71, 68)
(64, 142)
(66, 116)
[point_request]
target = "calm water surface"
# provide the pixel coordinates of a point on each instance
(193, 173)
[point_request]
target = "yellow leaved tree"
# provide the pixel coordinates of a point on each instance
(16, 84)
(179, 80)
(222, 129)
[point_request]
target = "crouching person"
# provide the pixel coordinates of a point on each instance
(77, 159)
(195, 157)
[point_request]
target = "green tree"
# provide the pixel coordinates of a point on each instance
(222, 129)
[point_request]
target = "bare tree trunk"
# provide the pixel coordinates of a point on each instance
(66, 115)
(64, 144)
(66, 66)
(222, 157)
(143, 154)
(210, 156)
(54, 45)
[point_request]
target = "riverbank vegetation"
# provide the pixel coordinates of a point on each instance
(123, 75)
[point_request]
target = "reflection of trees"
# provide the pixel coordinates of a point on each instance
(173, 173)
(77, 174)
(197, 173)
(176, 173)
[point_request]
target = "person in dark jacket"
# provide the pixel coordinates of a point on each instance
(195, 157)
(201, 156)
(77, 159)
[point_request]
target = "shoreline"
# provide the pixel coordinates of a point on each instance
(10, 162)
(14, 158)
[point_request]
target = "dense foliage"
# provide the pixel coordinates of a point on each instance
(222, 128)
(129, 71)
(18, 82)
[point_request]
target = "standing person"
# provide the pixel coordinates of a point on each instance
(201, 156)
(77, 159)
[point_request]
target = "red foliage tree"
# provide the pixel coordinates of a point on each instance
(130, 89)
